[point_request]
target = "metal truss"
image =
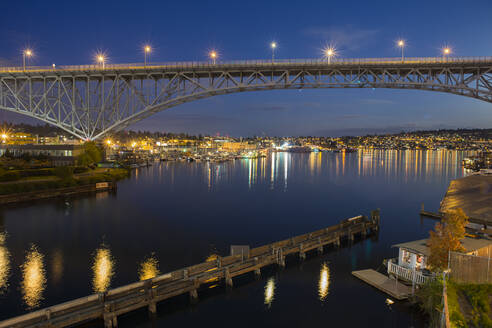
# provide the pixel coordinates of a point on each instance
(92, 102)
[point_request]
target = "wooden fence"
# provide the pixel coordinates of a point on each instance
(470, 268)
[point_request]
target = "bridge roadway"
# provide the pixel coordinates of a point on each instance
(109, 305)
(91, 101)
(198, 66)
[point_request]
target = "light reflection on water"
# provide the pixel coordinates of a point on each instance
(4, 263)
(406, 165)
(149, 268)
(324, 282)
(33, 278)
(103, 269)
(269, 292)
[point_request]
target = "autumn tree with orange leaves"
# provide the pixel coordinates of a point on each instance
(447, 237)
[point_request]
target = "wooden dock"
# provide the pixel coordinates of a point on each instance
(112, 303)
(439, 216)
(390, 286)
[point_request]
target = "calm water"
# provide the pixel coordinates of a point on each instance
(176, 214)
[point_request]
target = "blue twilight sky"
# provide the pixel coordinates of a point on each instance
(70, 32)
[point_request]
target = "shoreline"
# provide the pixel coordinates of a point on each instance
(57, 192)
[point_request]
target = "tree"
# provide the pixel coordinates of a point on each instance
(92, 154)
(447, 237)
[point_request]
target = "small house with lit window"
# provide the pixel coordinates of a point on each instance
(412, 262)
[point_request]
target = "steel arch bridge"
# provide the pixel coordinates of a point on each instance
(91, 101)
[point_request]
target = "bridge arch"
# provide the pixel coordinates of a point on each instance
(90, 102)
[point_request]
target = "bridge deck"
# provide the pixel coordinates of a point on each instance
(409, 63)
(109, 305)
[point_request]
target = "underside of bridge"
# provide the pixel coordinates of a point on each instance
(90, 103)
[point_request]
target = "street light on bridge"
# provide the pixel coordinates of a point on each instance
(147, 50)
(273, 45)
(213, 55)
(101, 59)
(329, 52)
(445, 52)
(26, 54)
(401, 44)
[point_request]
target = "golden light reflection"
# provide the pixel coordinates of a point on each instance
(149, 268)
(103, 270)
(269, 292)
(324, 282)
(4, 263)
(33, 278)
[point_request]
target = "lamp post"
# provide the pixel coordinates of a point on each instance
(446, 51)
(101, 59)
(213, 55)
(329, 52)
(26, 53)
(401, 44)
(273, 45)
(147, 50)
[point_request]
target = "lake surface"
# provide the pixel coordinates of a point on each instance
(173, 215)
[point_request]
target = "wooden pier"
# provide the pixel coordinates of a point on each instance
(390, 286)
(112, 303)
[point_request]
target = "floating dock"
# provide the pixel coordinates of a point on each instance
(112, 303)
(390, 286)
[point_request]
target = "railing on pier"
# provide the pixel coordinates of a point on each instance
(109, 305)
(407, 274)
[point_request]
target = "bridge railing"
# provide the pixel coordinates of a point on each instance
(256, 63)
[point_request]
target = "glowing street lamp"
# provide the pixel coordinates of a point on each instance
(445, 52)
(401, 44)
(213, 55)
(26, 53)
(147, 50)
(329, 52)
(273, 45)
(101, 59)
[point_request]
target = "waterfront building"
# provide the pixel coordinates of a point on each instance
(60, 155)
(19, 138)
(412, 262)
(234, 146)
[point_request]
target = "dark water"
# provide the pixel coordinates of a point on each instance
(176, 214)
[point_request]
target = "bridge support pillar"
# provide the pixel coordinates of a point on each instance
(302, 255)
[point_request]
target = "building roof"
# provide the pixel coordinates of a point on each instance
(420, 246)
